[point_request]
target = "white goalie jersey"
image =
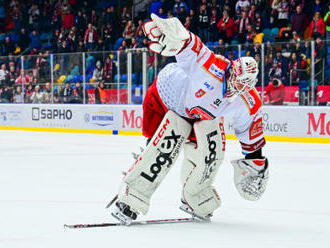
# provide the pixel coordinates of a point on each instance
(194, 87)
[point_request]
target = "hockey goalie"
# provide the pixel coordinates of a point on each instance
(184, 110)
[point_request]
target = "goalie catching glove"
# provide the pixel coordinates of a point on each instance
(168, 36)
(250, 177)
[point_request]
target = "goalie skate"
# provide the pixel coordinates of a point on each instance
(185, 208)
(123, 213)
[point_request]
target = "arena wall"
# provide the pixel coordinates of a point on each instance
(280, 123)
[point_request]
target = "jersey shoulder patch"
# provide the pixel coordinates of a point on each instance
(252, 101)
(216, 66)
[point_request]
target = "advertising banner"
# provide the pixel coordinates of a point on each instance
(282, 121)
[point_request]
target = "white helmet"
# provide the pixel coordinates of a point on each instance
(243, 76)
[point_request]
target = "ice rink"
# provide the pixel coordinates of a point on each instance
(49, 179)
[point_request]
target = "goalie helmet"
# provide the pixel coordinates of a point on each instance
(243, 76)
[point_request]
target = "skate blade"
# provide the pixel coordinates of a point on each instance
(207, 219)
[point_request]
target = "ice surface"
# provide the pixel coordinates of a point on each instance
(48, 179)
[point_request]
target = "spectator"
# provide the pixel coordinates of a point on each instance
(243, 23)
(283, 14)
(47, 92)
(23, 40)
(28, 93)
(182, 15)
(203, 23)
(93, 18)
(38, 96)
(299, 21)
(100, 94)
(81, 47)
(226, 27)
(178, 4)
(139, 27)
(162, 13)
(8, 47)
(258, 23)
(109, 38)
(293, 69)
(90, 37)
(12, 75)
(23, 79)
(98, 72)
(123, 46)
(66, 93)
(194, 21)
(100, 46)
(213, 29)
(18, 95)
(129, 30)
(33, 16)
(275, 71)
(3, 75)
(317, 26)
(107, 70)
(327, 23)
(124, 17)
(35, 40)
(78, 93)
(275, 92)
(139, 38)
(134, 44)
(6, 95)
(242, 5)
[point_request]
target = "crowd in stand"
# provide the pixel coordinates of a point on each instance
(38, 28)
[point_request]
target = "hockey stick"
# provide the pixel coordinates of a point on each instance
(112, 201)
(142, 222)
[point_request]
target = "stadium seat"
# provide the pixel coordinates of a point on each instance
(118, 43)
(267, 32)
(14, 37)
(274, 32)
(303, 86)
(43, 37)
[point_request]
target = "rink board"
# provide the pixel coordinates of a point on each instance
(281, 123)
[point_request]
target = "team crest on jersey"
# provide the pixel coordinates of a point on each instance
(256, 129)
(200, 93)
(216, 71)
(208, 86)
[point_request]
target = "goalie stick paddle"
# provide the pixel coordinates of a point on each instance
(142, 222)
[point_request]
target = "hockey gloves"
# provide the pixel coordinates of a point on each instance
(168, 36)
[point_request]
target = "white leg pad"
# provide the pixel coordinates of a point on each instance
(144, 177)
(200, 166)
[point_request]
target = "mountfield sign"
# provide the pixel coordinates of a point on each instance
(132, 118)
(318, 124)
(277, 121)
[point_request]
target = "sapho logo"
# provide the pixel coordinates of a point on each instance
(168, 150)
(51, 114)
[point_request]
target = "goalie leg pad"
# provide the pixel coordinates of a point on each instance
(144, 177)
(200, 166)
